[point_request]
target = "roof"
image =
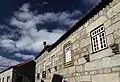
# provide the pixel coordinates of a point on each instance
(23, 63)
(18, 65)
(82, 21)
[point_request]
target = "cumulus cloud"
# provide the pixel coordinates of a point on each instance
(31, 38)
(27, 21)
(8, 45)
(24, 57)
(5, 62)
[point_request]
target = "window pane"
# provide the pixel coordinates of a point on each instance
(67, 54)
(98, 39)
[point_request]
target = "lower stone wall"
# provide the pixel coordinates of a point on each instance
(104, 66)
(101, 75)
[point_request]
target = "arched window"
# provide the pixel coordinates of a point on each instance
(68, 54)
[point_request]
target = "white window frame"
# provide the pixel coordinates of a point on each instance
(68, 54)
(98, 37)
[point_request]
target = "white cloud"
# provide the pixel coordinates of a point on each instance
(5, 62)
(8, 45)
(24, 57)
(31, 39)
(25, 7)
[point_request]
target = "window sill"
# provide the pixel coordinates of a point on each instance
(68, 64)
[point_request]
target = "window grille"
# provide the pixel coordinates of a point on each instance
(68, 53)
(98, 39)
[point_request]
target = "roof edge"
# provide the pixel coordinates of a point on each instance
(82, 21)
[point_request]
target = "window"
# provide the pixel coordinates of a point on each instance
(98, 39)
(38, 75)
(8, 78)
(3, 80)
(68, 57)
(44, 74)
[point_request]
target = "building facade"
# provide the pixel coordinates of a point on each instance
(88, 52)
(23, 72)
(6, 76)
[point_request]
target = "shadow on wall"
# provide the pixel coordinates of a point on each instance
(58, 78)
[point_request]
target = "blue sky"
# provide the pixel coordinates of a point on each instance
(25, 24)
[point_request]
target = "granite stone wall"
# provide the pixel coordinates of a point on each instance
(104, 66)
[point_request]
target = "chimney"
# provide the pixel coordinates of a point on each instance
(44, 43)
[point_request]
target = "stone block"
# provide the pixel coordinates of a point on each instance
(114, 2)
(85, 78)
(109, 30)
(116, 26)
(79, 68)
(96, 23)
(94, 65)
(71, 70)
(107, 23)
(101, 54)
(75, 45)
(76, 62)
(107, 70)
(110, 39)
(114, 10)
(112, 77)
(117, 34)
(100, 71)
(111, 61)
(84, 53)
(76, 57)
(115, 18)
(81, 61)
(116, 69)
(117, 41)
(85, 42)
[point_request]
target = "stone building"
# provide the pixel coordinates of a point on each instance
(23, 72)
(88, 52)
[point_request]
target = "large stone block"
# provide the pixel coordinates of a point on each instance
(117, 34)
(84, 78)
(114, 2)
(107, 24)
(71, 70)
(96, 23)
(117, 41)
(79, 68)
(101, 54)
(115, 18)
(94, 65)
(114, 10)
(110, 39)
(85, 42)
(110, 30)
(112, 77)
(111, 61)
(75, 45)
(81, 61)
